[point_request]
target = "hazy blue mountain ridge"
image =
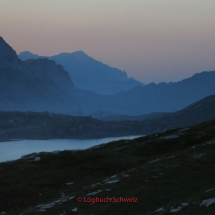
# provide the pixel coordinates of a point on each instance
(41, 68)
(26, 55)
(42, 85)
(90, 74)
(164, 97)
(36, 85)
(50, 126)
(8, 57)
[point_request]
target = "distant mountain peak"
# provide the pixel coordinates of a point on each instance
(25, 55)
(80, 52)
(90, 74)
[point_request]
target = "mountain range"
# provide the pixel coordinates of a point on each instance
(162, 97)
(90, 74)
(43, 85)
(13, 125)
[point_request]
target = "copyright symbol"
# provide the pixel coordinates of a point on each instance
(79, 199)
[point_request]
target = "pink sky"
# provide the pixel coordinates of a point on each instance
(151, 40)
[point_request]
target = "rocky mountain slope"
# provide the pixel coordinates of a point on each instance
(8, 57)
(36, 85)
(90, 74)
(49, 71)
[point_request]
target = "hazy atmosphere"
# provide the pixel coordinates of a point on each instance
(151, 40)
(106, 102)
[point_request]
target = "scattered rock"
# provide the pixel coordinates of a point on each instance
(75, 210)
(56, 152)
(37, 158)
(69, 183)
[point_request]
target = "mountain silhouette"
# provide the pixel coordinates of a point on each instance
(90, 74)
(43, 85)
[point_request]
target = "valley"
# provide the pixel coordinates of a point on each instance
(169, 169)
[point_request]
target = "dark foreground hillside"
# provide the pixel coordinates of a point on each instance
(157, 174)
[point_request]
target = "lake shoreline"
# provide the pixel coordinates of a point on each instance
(14, 149)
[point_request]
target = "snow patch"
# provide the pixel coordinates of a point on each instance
(124, 175)
(160, 210)
(37, 158)
(69, 183)
(183, 129)
(210, 190)
(94, 193)
(56, 152)
(74, 210)
(208, 202)
(172, 156)
(111, 182)
(112, 177)
(210, 142)
(179, 208)
(95, 184)
(44, 207)
(169, 137)
(154, 161)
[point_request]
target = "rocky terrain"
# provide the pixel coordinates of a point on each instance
(49, 71)
(163, 173)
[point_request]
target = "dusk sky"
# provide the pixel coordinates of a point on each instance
(152, 40)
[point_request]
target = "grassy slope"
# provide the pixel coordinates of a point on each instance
(160, 172)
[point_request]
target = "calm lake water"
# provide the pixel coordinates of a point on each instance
(15, 149)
